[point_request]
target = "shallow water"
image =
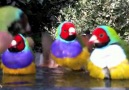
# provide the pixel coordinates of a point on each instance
(59, 79)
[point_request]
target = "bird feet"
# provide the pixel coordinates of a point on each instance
(106, 73)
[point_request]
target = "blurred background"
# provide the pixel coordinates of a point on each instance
(46, 15)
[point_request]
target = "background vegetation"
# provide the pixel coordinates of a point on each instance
(46, 15)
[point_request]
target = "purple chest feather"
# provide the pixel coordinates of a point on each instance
(62, 49)
(17, 60)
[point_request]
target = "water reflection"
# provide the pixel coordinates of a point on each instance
(64, 78)
(120, 83)
(59, 78)
(78, 79)
(18, 80)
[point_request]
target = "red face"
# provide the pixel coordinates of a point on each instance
(17, 44)
(68, 31)
(99, 37)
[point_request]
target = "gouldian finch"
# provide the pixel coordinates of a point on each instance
(12, 20)
(18, 58)
(66, 50)
(109, 59)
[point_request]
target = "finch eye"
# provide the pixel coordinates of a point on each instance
(101, 35)
(65, 30)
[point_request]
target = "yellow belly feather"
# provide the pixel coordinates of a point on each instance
(73, 63)
(94, 71)
(118, 72)
(31, 69)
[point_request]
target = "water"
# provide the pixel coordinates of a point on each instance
(59, 79)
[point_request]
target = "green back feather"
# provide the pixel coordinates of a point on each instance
(27, 47)
(114, 38)
(8, 14)
(125, 47)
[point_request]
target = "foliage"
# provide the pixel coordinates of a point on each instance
(46, 15)
(87, 14)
